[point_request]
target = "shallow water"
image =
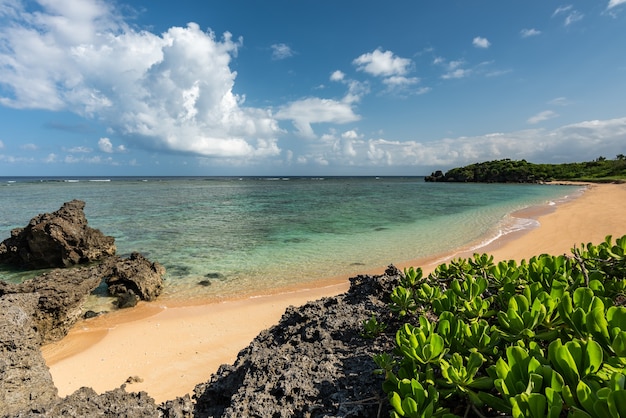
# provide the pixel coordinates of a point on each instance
(244, 236)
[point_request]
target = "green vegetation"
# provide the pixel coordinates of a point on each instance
(542, 338)
(510, 171)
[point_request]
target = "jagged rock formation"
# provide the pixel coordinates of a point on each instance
(314, 363)
(63, 292)
(137, 275)
(25, 381)
(58, 239)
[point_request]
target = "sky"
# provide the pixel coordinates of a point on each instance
(302, 87)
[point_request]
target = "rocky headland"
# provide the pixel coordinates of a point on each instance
(314, 362)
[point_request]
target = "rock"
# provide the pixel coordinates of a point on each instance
(58, 239)
(136, 274)
(63, 292)
(126, 300)
(91, 314)
(85, 402)
(61, 296)
(25, 381)
(314, 363)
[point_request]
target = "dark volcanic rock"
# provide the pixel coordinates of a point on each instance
(61, 296)
(137, 275)
(63, 292)
(58, 239)
(126, 300)
(25, 381)
(314, 363)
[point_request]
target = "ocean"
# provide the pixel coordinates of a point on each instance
(225, 237)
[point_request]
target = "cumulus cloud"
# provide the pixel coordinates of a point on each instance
(400, 81)
(337, 76)
(527, 33)
(575, 142)
(480, 42)
(78, 55)
(281, 51)
(382, 63)
(105, 145)
(315, 110)
(541, 116)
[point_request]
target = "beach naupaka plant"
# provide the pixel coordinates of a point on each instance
(542, 338)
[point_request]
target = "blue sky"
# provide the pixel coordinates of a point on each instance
(325, 87)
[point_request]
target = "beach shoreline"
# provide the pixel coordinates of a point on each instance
(170, 346)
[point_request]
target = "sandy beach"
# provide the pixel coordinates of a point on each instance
(166, 349)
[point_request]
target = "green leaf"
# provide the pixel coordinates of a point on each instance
(410, 407)
(584, 395)
(537, 405)
(494, 402)
(593, 357)
(555, 403)
(617, 403)
(396, 403)
(619, 344)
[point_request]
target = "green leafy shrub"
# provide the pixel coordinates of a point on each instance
(543, 338)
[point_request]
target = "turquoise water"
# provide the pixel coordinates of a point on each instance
(251, 235)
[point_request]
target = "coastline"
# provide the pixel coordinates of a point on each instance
(171, 347)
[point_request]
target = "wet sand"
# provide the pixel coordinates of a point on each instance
(169, 348)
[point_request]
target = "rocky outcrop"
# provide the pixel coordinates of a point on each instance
(58, 239)
(25, 381)
(314, 363)
(136, 275)
(63, 292)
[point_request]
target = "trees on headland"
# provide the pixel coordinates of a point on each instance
(521, 171)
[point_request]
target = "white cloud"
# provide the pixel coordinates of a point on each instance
(562, 9)
(560, 101)
(78, 55)
(1, 144)
(453, 68)
(541, 116)
(337, 76)
(572, 15)
(80, 150)
(615, 3)
(400, 81)
(576, 142)
(527, 33)
(458, 73)
(281, 51)
(382, 63)
(480, 42)
(105, 145)
(315, 110)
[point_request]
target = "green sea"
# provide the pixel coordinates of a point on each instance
(221, 237)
